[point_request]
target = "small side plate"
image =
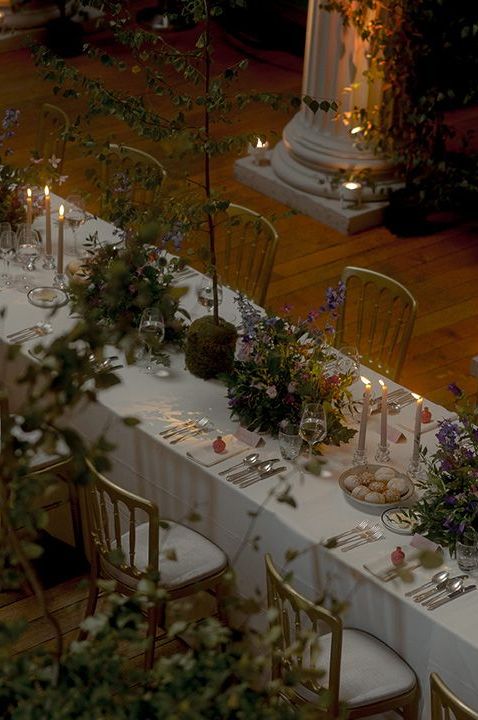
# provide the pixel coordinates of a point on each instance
(47, 297)
(399, 520)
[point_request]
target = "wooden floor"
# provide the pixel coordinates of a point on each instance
(440, 269)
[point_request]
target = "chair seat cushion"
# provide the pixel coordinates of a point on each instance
(40, 458)
(371, 672)
(196, 557)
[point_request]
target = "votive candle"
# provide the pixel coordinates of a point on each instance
(29, 207)
(61, 224)
(384, 414)
(418, 428)
(364, 417)
(48, 248)
(259, 151)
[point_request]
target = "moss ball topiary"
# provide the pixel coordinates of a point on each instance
(210, 348)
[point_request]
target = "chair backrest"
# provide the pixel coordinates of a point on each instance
(52, 134)
(112, 516)
(246, 246)
(445, 705)
(378, 318)
(131, 174)
(301, 624)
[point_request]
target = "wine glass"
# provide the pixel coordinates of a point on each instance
(27, 250)
(75, 216)
(7, 250)
(313, 424)
(152, 331)
(348, 362)
(205, 293)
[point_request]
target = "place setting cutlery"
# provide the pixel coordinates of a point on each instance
(369, 537)
(236, 478)
(452, 596)
(30, 333)
(185, 429)
(440, 589)
(353, 533)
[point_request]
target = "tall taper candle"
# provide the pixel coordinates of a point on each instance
(61, 223)
(418, 428)
(364, 418)
(48, 248)
(29, 207)
(384, 414)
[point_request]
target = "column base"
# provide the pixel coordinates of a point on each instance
(327, 210)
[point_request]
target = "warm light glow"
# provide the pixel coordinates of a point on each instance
(47, 191)
(356, 129)
(352, 185)
(382, 383)
(29, 192)
(261, 144)
(365, 380)
(417, 397)
(61, 212)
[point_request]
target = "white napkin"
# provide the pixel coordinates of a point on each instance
(204, 454)
(385, 570)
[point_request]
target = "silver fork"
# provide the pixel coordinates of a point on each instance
(30, 335)
(362, 525)
(358, 535)
(372, 537)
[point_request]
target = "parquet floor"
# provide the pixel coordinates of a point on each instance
(440, 269)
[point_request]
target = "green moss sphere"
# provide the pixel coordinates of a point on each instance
(210, 348)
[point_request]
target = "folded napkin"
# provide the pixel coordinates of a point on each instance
(385, 570)
(204, 454)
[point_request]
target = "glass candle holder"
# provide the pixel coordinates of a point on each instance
(351, 195)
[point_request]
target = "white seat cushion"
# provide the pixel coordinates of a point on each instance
(196, 556)
(371, 672)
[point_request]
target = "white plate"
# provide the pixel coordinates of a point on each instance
(47, 297)
(394, 524)
(377, 507)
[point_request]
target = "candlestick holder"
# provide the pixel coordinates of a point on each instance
(61, 281)
(383, 453)
(351, 195)
(416, 470)
(359, 458)
(48, 262)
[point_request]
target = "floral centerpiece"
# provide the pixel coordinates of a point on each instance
(448, 508)
(11, 206)
(282, 365)
(120, 281)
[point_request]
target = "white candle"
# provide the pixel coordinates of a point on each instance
(29, 207)
(351, 194)
(259, 151)
(364, 418)
(418, 428)
(48, 249)
(384, 414)
(61, 223)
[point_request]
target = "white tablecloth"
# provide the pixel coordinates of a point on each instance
(445, 641)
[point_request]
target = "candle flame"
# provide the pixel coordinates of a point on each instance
(47, 191)
(381, 383)
(365, 380)
(352, 185)
(61, 211)
(29, 192)
(260, 144)
(356, 129)
(417, 397)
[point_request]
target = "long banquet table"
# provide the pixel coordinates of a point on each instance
(445, 641)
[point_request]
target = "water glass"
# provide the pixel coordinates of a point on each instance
(152, 331)
(205, 293)
(467, 552)
(348, 362)
(290, 442)
(313, 425)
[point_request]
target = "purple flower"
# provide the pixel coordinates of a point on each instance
(455, 390)
(450, 500)
(335, 296)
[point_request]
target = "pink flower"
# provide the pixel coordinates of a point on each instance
(271, 392)
(291, 387)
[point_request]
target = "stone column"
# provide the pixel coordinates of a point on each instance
(315, 147)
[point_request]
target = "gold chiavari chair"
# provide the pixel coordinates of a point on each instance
(331, 667)
(378, 318)
(53, 128)
(187, 562)
(445, 705)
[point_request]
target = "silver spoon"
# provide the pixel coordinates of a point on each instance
(248, 460)
(262, 466)
(437, 578)
(438, 588)
(450, 586)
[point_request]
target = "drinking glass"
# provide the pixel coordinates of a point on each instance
(151, 330)
(205, 293)
(348, 362)
(290, 441)
(75, 216)
(467, 551)
(313, 425)
(7, 250)
(27, 250)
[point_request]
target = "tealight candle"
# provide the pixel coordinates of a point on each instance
(351, 194)
(418, 428)
(61, 223)
(259, 152)
(364, 418)
(48, 248)
(29, 206)
(384, 414)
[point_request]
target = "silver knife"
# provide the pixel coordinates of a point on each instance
(265, 475)
(452, 596)
(242, 475)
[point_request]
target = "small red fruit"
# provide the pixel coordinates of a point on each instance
(426, 415)
(398, 556)
(219, 445)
